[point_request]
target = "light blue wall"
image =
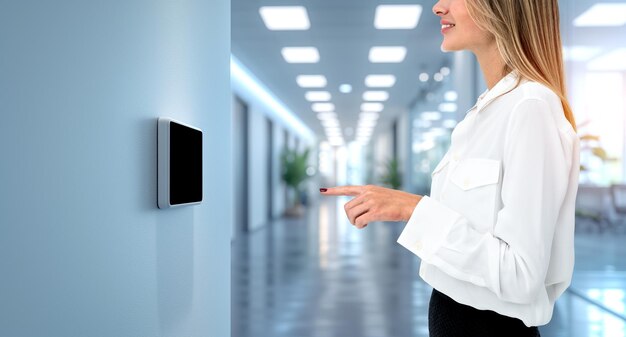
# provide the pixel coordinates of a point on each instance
(258, 140)
(84, 251)
(262, 105)
(278, 185)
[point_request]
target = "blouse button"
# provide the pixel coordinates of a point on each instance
(466, 182)
(417, 245)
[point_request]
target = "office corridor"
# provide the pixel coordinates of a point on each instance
(317, 276)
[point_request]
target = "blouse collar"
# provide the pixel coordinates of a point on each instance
(506, 84)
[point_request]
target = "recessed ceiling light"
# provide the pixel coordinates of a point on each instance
(437, 131)
(369, 115)
(311, 81)
(375, 96)
(387, 54)
(317, 96)
(613, 61)
(420, 123)
(345, 88)
(330, 123)
(335, 141)
(424, 77)
(449, 123)
(373, 107)
(323, 107)
(580, 53)
(431, 115)
(438, 77)
(367, 124)
(451, 96)
(326, 115)
(380, 81)
(301, 54)
(397, 16)
(445, 71)
(602, 14)
(285, 17)
(448, 107)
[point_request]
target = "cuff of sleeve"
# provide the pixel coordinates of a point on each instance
(427, 228)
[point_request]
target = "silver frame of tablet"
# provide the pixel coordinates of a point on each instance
(163, 162)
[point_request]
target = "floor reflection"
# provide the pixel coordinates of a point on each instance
(319, 276)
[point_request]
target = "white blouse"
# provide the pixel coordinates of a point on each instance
(497, 231)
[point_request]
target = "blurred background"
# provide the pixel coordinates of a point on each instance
(329, 93)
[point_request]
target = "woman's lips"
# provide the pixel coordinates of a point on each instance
(446, 27)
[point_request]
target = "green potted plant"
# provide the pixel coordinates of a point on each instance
(392, 177)
(591, 143)
(294, 173)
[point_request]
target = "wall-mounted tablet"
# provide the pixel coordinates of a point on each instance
(179, 164)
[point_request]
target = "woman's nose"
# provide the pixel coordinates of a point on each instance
(439, 8)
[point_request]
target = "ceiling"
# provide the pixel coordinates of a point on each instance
(343, 32)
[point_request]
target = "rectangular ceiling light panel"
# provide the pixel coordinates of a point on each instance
(369, 115)
(397, 16)
(326, 116)
(317, 96)
(387, 54)
(375, 96)
(602, 15)
(285, 17)
(448, 107)
(301, 54)
(380, 81)
(431, 115)
(330, 123)
(372, 107)
(311, 81)
(323, 107)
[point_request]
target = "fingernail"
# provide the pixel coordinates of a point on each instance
(323, 189)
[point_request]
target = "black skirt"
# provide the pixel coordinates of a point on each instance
(448, 318)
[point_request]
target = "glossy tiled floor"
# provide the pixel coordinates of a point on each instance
(319, 276)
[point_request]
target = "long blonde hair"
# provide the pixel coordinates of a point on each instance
(528, 37)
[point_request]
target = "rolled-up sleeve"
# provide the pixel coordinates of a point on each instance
(512, 261)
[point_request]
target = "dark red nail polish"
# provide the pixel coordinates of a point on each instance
(323, 189)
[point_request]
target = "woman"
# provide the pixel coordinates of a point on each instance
(496, 234)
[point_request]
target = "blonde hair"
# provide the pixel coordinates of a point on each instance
(528, 37)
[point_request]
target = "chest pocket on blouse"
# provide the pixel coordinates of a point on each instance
(473, 190)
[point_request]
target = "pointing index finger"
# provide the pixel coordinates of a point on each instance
(343, 190)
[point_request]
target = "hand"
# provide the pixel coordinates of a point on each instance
(375, 203)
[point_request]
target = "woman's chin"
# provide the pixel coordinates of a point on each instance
(449, 47)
